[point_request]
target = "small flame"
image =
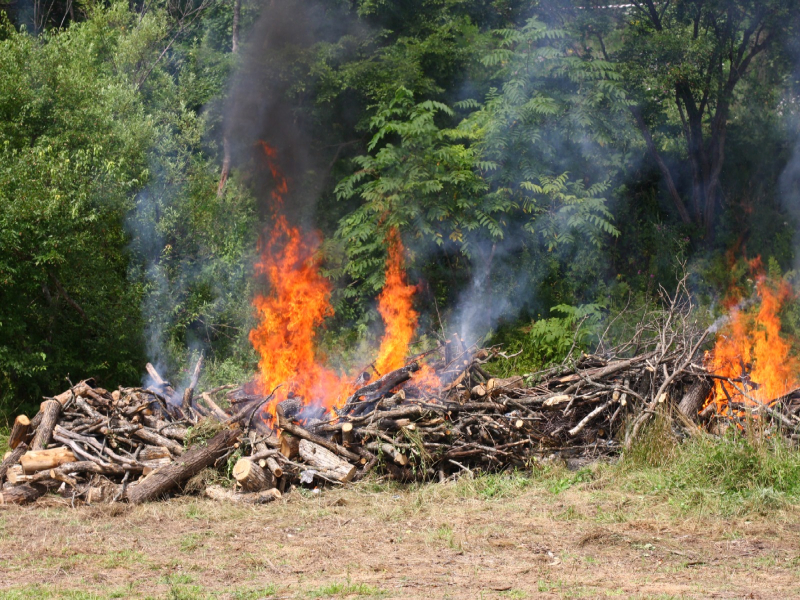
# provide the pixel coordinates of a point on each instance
(751, 350)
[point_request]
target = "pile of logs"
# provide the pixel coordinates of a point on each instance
(137, 444)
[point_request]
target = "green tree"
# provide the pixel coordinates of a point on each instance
(683, 64)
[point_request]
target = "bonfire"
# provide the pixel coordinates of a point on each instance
(434, 416)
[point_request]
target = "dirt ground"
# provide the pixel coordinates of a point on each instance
(498, 539)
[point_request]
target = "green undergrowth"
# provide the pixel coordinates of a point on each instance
(739, 473)
(5, 431)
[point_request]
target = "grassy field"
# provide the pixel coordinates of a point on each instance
(697, 520)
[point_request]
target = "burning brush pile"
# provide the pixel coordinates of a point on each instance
(427, 417)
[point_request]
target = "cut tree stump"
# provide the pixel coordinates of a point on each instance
(197, 458)
(325, 460)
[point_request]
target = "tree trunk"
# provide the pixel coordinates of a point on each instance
(191, 463)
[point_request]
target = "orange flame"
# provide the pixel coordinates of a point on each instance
(751, 350)
(394, 306)
(298, 303)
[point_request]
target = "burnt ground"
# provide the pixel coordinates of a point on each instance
(495, 537)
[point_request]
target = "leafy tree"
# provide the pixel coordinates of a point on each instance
(74, 141)
(683, 64)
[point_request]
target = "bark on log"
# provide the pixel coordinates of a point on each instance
(12, 459)
(274, 467)
(378, 388)
(695, 397)
(192, 462)
(306, 435)
(291, 407)
(19, 433)
(325, 460)
(220, 494)
(176, 432)
(44, 433)
(218, 413)
(38, 460)
(252, 477)
(21, 494)
(151, 437)
(188, 393)
(79, 390)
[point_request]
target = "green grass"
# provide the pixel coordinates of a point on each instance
(345, 589)
(5, 431)
(739, 473)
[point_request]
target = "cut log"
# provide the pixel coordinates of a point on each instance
(291, 407)
(16, 475)
(510, 383)
(325, 460)
(44, 433)
(12, 459)
(21, 494)
(220, 494)
(19, 432)
(347, 434)
(382, 386)
(197, 458)
(290, 445)
(163, 386)
(176, 432)
(219, 414)
(38, 460)
(79, 390)
(397, 456)
(695, 397)
(478, 391)
(273, 466)
(307, 435)
(252, 477)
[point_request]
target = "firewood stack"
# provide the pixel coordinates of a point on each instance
(136, 444)
(439, 417)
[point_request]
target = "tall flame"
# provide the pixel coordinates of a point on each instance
(395, 307)
(751, 350)
(297, 304)
(289, 316)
